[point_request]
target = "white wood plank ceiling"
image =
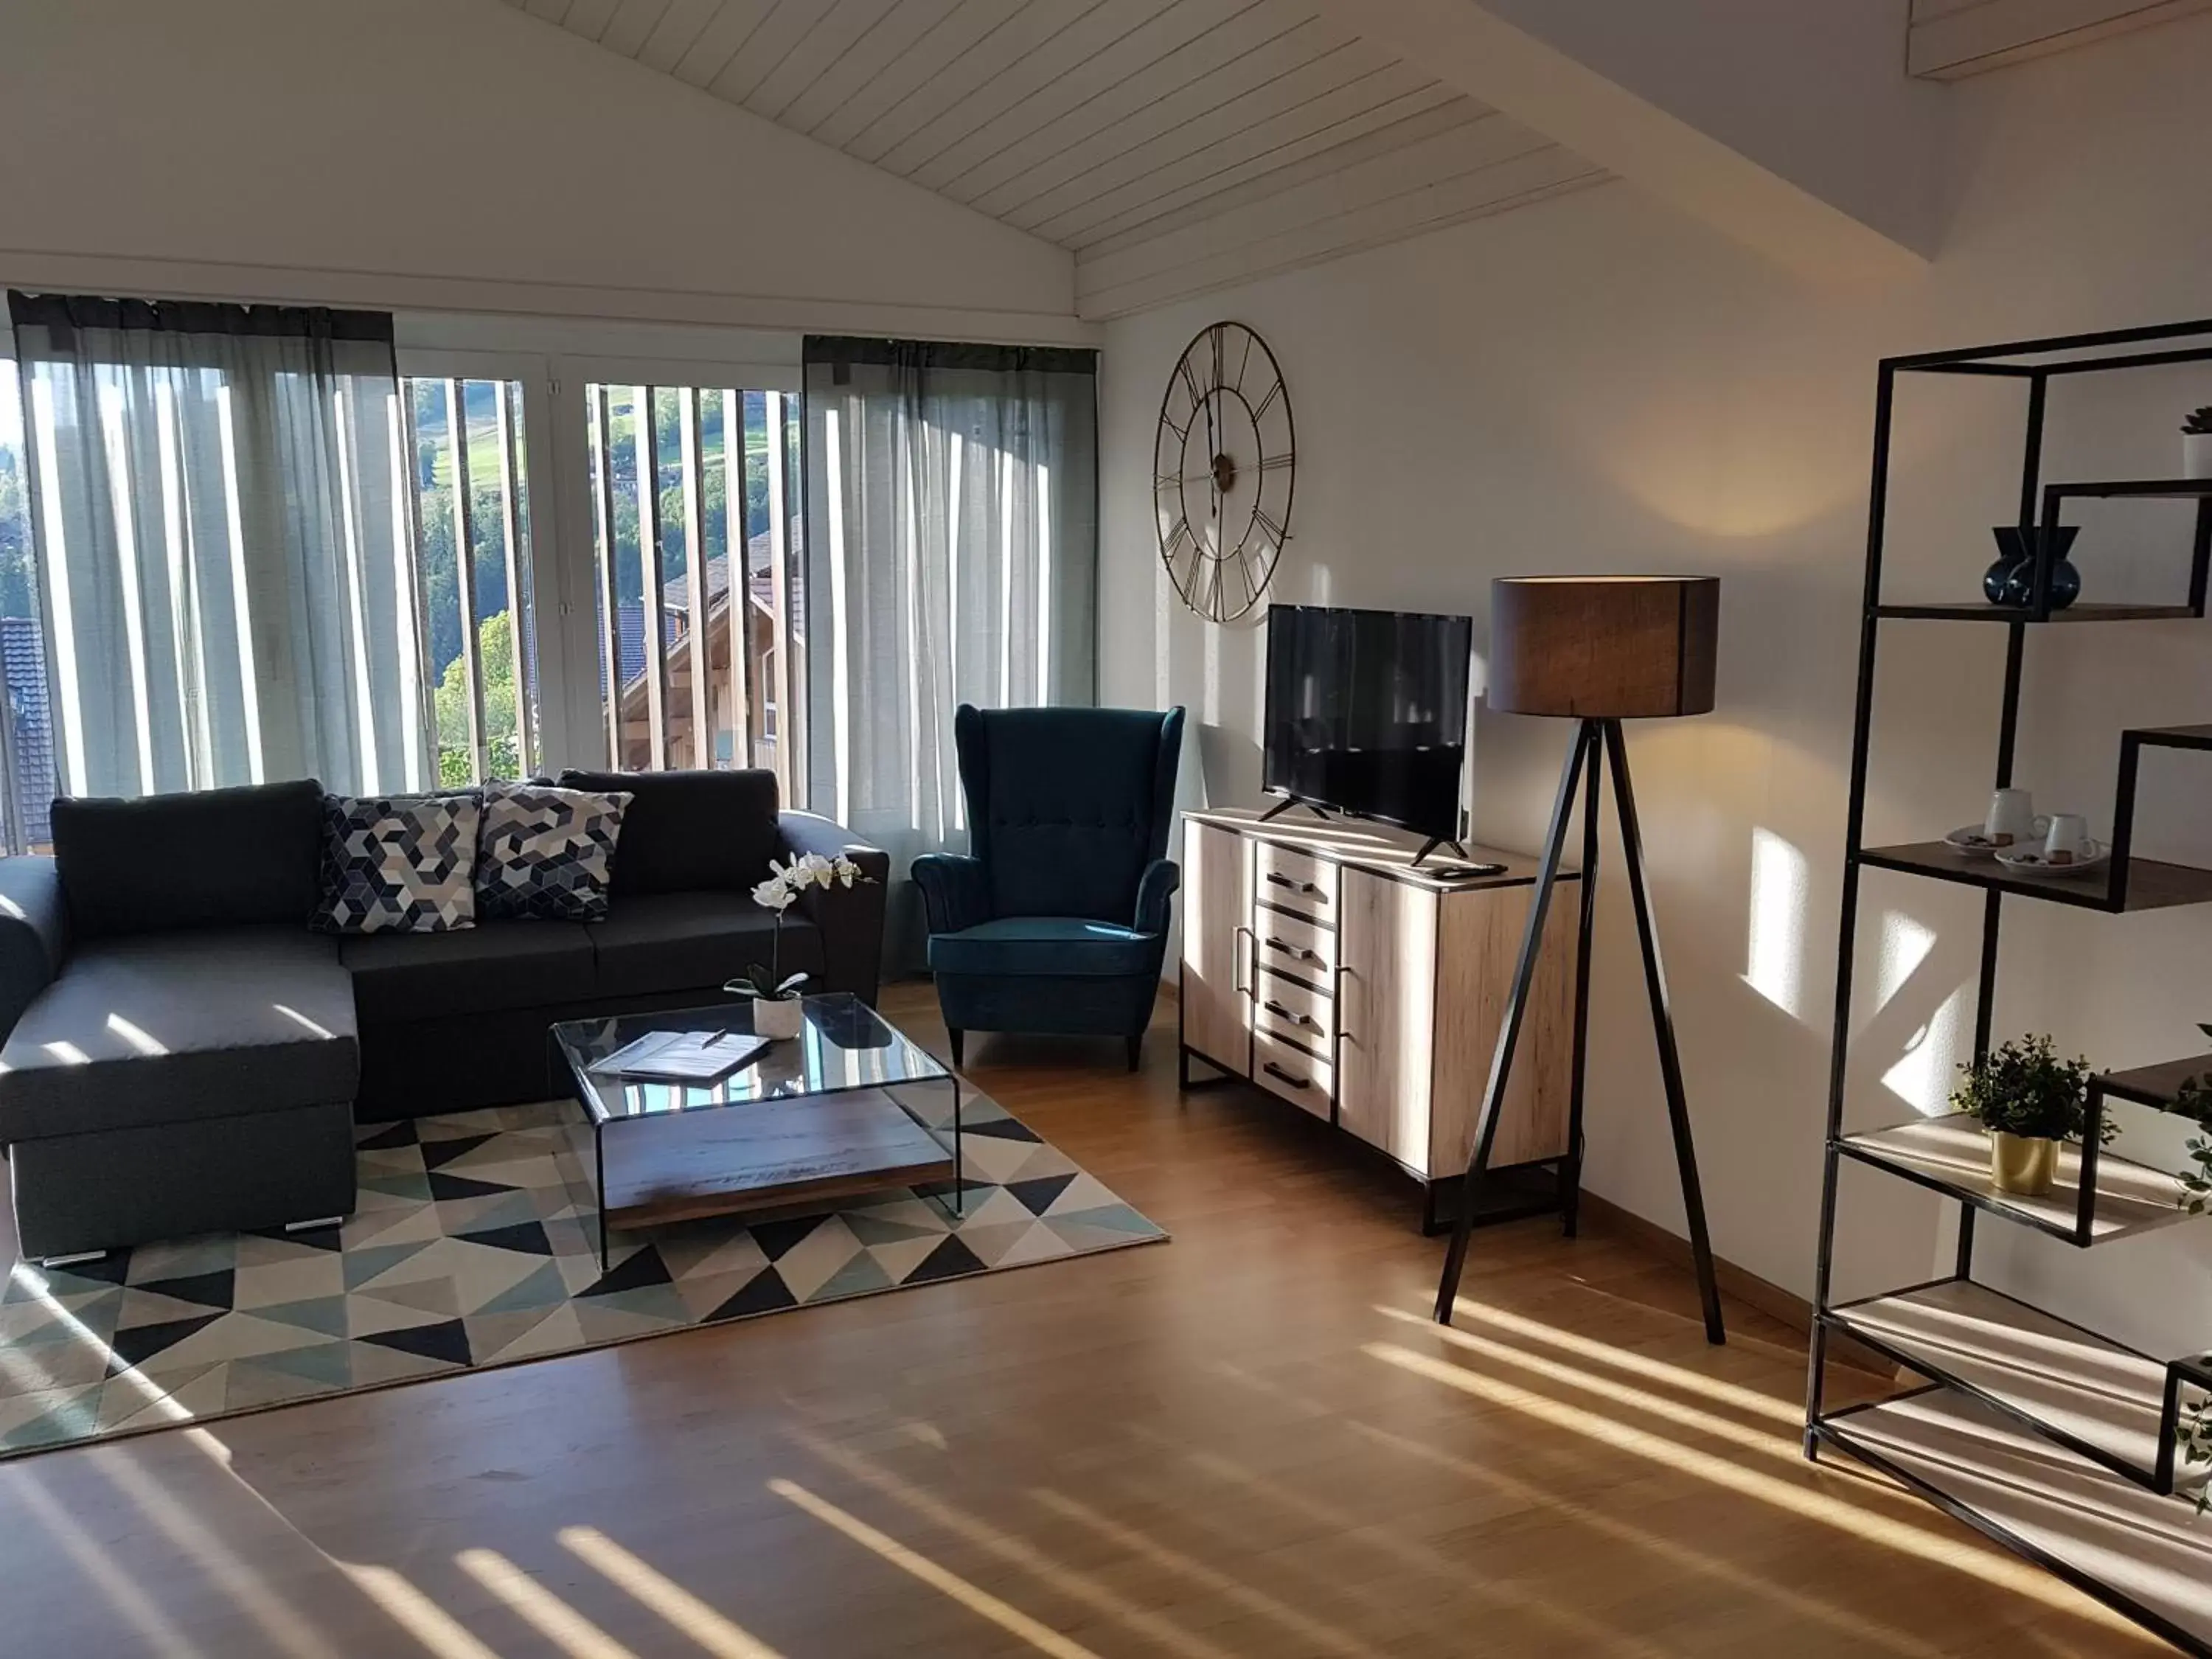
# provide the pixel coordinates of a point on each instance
(1176, 145)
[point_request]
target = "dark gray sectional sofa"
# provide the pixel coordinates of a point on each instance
(183, 1055)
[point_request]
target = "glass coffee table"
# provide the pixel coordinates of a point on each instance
(847, 1106)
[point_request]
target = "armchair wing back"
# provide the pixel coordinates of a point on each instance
(1067, 807)
(1056, 920)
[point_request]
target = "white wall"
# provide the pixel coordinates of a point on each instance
(457, 154)
(1599, 384)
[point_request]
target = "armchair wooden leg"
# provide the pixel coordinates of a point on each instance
(959, 1045)
(1136, 1050)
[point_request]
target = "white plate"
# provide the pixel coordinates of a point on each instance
(1972, 840)
(2030, 860)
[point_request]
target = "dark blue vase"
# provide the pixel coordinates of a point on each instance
(2011, 580)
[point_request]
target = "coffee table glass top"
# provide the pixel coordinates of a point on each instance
(843, 1044)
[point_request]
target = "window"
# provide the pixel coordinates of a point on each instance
(479, 626)
(701, 664)
(27, 738)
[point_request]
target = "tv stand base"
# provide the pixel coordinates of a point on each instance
(1430, 846)
(1288, 802)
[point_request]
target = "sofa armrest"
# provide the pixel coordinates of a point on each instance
(955, 892)
(34, 933)
(851, 918)
(1155, 889)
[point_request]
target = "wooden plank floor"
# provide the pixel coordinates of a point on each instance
(1247, 1442)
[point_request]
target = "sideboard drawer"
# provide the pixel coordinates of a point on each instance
(1306, 1017)
(1297, 881)
(1292, 944)
(1297, 1077)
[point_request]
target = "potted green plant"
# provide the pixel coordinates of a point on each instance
(2197, 444)
(2030, 1101)
(775, 996)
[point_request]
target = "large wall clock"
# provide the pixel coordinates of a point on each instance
(1224, 467)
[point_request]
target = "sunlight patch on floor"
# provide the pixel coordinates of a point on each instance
(2015, 1576)
(1869, 1632)
(1313, 1632)
(710, 1630)
(1016, 1552)
(438, 1632)
(91, 1557)
(976, 1599)
(1623, 1359)
(539, 1607)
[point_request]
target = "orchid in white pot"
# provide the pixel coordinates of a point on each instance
(776, 1012)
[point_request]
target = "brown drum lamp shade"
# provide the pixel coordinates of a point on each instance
(1603, 647)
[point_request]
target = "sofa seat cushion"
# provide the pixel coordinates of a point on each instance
(397, 977)
(168, 1027)
(652, 943)
(1066, 946)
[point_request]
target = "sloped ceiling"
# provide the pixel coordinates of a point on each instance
(1175, 145)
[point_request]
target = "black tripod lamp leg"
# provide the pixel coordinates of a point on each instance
(1501, 1066)
(1571, 1172)
(1662, 1022)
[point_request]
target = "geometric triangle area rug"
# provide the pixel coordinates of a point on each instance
(475, 1243)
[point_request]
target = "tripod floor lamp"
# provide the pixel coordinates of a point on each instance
(1596, 650)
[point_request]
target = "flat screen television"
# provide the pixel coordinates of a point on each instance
(1367, 713)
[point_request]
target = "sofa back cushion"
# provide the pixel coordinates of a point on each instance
(216, 858)
(1064, 805)
(689, 832)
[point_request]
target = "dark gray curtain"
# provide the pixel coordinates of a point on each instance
(952, 552)
(219, 504)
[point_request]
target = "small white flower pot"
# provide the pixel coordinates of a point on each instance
(2196, 454)
(777, 1017)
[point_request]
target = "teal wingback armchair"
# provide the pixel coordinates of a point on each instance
(1056, 920)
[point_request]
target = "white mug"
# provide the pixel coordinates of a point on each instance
(2012, 818)
(2067, 839)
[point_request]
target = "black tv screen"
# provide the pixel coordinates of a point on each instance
(1367, 712)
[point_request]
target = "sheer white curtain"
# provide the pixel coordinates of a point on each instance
(219, 501)
(953, 547)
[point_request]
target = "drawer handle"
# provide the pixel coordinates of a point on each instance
(1273, 1070)
(1295, 886)
(1297, 950)
(1292, 1015)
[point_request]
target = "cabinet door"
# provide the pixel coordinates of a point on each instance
(1480, 948)
(1385, 1012)
(1217, 966)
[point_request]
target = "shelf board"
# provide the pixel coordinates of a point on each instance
(2170, 490)
(2148, 1557)
(2103, 1401)
(2151, 884)
(2083, 611)
(2156, 1086)
(1952, 1155)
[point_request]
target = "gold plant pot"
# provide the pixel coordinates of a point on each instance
(2027, 1166)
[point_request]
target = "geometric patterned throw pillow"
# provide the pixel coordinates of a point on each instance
(398, 864)
(546, 854)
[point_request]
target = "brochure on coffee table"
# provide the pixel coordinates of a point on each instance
(682, 1056)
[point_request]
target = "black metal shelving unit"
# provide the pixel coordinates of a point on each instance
(2056, 1441)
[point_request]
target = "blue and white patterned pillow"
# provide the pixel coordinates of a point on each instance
(398, 864)
(546, 854)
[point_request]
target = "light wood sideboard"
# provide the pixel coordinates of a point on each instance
(1320, 964)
